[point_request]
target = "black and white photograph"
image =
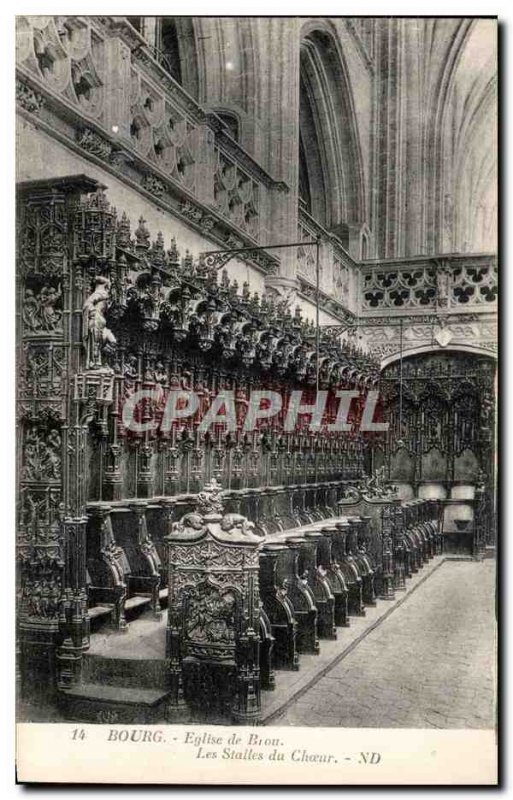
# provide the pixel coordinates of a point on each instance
(256, 391)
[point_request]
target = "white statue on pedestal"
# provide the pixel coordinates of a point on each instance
(97, 336)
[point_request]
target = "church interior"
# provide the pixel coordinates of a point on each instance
(239, 205)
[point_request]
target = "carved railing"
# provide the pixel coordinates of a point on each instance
(440, 301)
(338, 273)
(96, 80)
(449, 283)
(237, 196)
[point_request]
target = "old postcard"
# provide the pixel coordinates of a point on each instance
(256, 309)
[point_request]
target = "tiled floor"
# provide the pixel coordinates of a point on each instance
(429, 664)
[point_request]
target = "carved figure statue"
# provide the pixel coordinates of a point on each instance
(160, 378)
(235, 523)
(241, 406)
(40, 312)
(443, 278)
(211, 616)
(96, 334)
(204, 398)
(376, 485)
(45, 598)
(53, 455)
(160, 374)
(50, 316)
(191, 521)
(42, 455)
(34, 598)
(30, 311)
(55, 595)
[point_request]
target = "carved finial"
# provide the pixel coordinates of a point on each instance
(286, 315)
(254, 304)
(173, 254)
(187, 263)
(157, 253)
(142, 235)
(98, 200)
(376, 486)
(124, 238)
(209, 499)
(225, 281)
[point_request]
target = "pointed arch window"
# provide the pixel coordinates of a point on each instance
(175, 49)
(330, 169)
(170, 48)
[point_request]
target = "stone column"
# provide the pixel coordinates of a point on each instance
(117, 88)
(282, 114)
(52, 608)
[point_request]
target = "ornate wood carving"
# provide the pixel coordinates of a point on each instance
(214, 603)
(448, 412)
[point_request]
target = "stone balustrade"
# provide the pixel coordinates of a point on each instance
(97, 81)
(454, 282)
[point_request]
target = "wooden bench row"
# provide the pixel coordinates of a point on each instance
(312, 577)
(126, 550)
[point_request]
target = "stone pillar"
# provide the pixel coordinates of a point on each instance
(52, 607)
(117, 88)
(282, 115)
(387, 208)
(150, 30)
(204, 164)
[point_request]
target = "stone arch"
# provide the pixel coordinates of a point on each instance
(229, 74)
(448, 51)
(176, 48)
(473, 213)
(460, 141)
(330, 153)
(469, 146)
(188, 55)
(426, 349)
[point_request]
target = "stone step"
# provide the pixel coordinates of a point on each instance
(120, 694)
(97, 702)
(130, 672)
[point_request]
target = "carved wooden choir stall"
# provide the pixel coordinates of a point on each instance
(261, 544)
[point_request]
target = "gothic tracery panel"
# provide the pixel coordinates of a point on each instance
(445, 436)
